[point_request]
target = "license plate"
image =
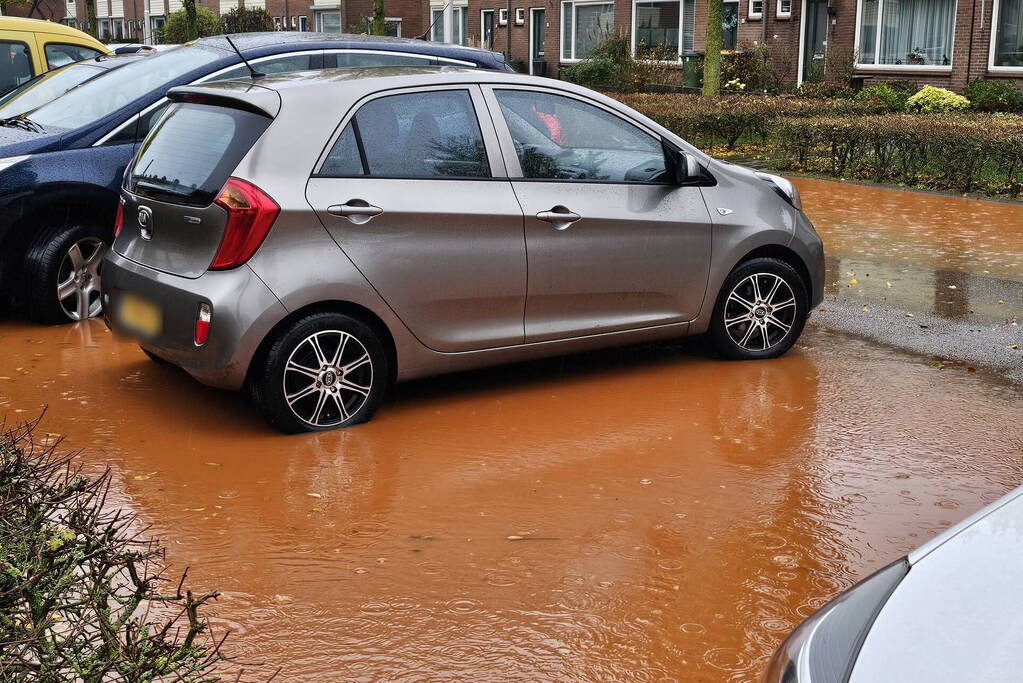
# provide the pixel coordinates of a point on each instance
(139, 315)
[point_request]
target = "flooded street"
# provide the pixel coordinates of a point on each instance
(649, 513)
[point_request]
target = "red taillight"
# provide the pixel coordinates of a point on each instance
(119, 218)
(250, 213)
(202, 324)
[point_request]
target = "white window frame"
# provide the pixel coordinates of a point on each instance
(995, 9)
(681, 26)
(575, 25)
(750, 14)
(779, 12)
(460, 11)
(502, 16)
(937, 68)
(520, 16)
(493, 26)
(318, 19)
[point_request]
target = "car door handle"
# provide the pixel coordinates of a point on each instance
(559, 217)
(355, 207)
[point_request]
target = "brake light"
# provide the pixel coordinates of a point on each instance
(119, 218)
(202, 324)
(250, 213)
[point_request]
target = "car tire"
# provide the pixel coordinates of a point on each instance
(301, 385)
(760, 311)
(64, 259)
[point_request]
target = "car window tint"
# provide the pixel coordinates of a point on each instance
(561, 138)
(344, 159)
(370, 58)
(59, 54)
(148, 119)
(15, 64)
(420, 135)
(275, 65)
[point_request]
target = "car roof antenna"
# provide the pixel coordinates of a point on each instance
(252, 72)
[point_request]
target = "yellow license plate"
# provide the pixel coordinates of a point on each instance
(139, 315)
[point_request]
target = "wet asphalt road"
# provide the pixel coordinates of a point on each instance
(648, 513)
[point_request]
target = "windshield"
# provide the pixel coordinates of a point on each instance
(94, 99)
(45, 88)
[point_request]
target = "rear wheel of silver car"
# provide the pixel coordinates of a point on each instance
(760, 311)
(326, 371)
(61, 280)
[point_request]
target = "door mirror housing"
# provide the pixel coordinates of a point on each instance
(684, 170)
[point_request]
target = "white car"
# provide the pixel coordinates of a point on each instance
(951, 610)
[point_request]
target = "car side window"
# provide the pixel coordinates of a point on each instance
(371, 58)
(414, 135)
(303, 61)
(15, 64)
(148, 119)
(59, 54)
(562, 138)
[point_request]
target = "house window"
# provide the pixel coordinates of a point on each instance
(663, 28)
(1007, 42)
(487, 29)
(730, 25)
(906, 33)
(756, 9)
(503, 17)
(583, 25)
(303, 23)
(461, 29)
(784, 8)
(156, 24)
(328, 22)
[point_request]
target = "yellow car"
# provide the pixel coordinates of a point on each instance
(29, 47)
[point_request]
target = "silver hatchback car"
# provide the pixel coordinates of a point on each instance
(316, 236)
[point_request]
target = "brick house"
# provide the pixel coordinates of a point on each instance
(941, 42)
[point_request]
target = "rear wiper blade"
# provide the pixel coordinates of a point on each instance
(23, 122)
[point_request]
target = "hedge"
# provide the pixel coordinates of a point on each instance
(965, 152)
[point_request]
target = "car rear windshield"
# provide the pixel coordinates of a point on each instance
(107, 93)
(190, 153)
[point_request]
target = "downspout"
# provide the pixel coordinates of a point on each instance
(969, 47)
(508, 28)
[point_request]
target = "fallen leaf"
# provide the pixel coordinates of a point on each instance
(1000, 303)
(1013, 346)
(212, 464)
(514, 538)
(865, 309)
(853, 282)
(909, 315)
(314, 495)
(821, 309)
(887, 284)
(952, 287)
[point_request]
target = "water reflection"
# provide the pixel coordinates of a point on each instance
(647, 512)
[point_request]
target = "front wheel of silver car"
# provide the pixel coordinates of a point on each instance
(326, 371)
(760, 311)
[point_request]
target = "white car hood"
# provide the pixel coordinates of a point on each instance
(958, 614)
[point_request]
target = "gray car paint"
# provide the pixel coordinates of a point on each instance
(958, 614)
(301, 265)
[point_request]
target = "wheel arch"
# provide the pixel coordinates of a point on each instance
(787, 255)
(349, 308)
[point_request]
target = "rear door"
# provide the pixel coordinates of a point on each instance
(413, 190)
(17, 59)
(612, 244)
(170, 221)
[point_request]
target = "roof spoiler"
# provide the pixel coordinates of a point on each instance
(233, 94)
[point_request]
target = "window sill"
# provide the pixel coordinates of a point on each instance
(1005, 70)
(754, 17)
(903, 68)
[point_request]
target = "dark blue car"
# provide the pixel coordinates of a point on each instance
(61, 164)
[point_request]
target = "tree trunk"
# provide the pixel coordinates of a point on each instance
(712, 52)
(379, 19)
(191, 21)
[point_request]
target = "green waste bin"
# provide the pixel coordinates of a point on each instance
(692, 70)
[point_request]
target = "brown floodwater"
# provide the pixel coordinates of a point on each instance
(648, 513)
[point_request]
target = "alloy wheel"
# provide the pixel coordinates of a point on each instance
(759, 312)
(327, 378)
(78, 283)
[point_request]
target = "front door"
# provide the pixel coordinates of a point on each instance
(815, 40)
(537, 26)
(611, 245)
(408, 193)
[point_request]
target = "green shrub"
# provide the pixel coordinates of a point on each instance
(824, 91)
(933, 100)
(609, 66)
(176, 28)
(243, 20)
(751, 68)
(885, 97)
(994, 96)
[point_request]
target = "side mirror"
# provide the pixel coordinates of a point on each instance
(687, 170)
(683, 169)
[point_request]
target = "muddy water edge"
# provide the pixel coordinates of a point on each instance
(643, 513)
